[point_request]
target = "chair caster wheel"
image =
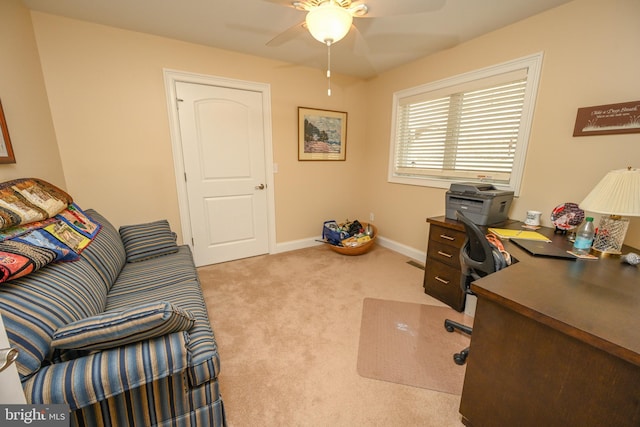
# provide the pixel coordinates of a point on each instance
(460, 358)
(448, 327)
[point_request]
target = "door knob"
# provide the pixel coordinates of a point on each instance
(260, 187)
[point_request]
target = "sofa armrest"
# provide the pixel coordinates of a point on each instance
(86, 380)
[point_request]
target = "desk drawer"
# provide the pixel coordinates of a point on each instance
(447, 236)
(444, 253)
(443, 283)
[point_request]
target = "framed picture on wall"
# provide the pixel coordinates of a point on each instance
(6, 150)
(322, 134)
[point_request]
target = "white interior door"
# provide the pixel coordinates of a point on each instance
(222, 137)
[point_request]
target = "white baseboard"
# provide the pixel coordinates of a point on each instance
(296, 244)
(403, 249)
(382, 241)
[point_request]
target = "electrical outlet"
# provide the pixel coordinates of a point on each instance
(372, 217)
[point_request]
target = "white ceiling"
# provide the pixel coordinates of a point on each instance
(381, 42)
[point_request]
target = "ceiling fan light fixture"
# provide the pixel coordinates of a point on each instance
(329, 22)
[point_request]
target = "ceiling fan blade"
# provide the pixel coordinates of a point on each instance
(288, 34)
(300, 4)
(360, 47)
(280, 2)
(378, 8)
(389, 43)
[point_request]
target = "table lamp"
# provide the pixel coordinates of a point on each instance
(616, 195)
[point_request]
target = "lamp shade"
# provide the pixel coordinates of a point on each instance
(618, 193)
(328, 22)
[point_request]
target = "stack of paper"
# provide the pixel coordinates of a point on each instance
(505, 233)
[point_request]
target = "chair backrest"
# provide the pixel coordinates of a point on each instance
(478, 256)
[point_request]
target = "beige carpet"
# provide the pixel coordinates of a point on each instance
(407, 343)
(288, 330)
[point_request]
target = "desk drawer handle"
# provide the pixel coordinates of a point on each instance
(446, 282)
(445, 254)
(444, 236)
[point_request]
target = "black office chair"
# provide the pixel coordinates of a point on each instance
(478, 258)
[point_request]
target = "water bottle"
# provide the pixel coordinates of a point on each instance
(584, 237)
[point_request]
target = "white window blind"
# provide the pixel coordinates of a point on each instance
(469, 128)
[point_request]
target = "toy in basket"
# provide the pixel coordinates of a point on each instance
(349, 238)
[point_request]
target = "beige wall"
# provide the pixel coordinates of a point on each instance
(590, 58)
(107, 98)
(24, 100)
(107, 101)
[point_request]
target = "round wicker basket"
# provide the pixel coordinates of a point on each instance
(358, 250)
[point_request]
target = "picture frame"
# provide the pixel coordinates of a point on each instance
(322, 134)
(6, 149)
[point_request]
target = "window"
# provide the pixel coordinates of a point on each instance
(473, 127)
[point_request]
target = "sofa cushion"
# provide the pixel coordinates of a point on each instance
(117, 328)
(33, 307)
(144, 241)
(173, 278)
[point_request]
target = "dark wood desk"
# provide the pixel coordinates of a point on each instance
(555, 343)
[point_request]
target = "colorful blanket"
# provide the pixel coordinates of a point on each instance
(27, 200)
(39, 224)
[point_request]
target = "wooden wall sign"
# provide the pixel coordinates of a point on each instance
(608, 119)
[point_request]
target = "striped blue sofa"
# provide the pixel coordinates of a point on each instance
(80, 329)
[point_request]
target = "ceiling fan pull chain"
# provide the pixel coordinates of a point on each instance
(329, 67)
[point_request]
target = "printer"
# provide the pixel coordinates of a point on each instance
(482, 203)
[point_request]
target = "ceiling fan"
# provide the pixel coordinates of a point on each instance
(334, 17)
(329, 21)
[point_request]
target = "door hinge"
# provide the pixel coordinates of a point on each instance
(193, 243)
(185, 177)
(178, 101)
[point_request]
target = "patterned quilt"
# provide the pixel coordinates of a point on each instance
(39, 224)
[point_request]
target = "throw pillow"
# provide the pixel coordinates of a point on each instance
(117, 328)
(143, 241)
